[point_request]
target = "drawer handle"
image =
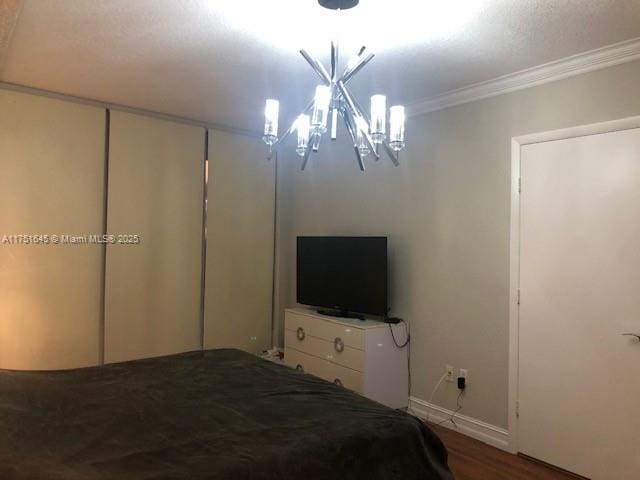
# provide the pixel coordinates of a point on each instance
(338, 382)
(338, 344)
(299, 368)
(300, 333)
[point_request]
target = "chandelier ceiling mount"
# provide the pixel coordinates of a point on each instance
(338, 4)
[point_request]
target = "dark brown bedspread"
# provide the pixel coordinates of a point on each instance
(217, 414)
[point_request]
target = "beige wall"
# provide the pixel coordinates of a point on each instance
(240, 220)
(446, 210)
(51, 183)
(153, 290)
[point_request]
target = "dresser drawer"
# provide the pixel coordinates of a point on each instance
(325, 330)
(331, 372)
(332, 351)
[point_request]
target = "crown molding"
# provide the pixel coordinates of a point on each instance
(597, 59)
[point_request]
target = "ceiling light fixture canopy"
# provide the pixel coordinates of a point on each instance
(338, 4)
(332, 99)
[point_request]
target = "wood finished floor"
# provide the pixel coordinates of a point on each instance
(471, 459)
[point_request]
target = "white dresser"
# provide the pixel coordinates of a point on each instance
(358, 355)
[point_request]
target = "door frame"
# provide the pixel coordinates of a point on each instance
(517, 143)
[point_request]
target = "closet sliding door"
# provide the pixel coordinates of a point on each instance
(240, 235)
(153, 288)
(51, 183)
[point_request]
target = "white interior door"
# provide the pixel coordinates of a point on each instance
(579, 378)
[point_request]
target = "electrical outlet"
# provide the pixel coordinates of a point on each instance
(450, 374)
(464, 373)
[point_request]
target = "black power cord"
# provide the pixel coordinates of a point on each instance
(407, 344)
(395, 321)
(394, 337)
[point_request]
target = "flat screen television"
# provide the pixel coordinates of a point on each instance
(345, 274)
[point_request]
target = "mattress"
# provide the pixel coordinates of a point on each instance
(215, 414)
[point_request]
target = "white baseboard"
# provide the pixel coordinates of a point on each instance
(485, 432)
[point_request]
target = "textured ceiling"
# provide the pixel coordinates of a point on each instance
(217, 60)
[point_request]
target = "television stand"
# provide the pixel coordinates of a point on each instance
(341, 314)
(360, 356)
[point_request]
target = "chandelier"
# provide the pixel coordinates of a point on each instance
(332, 99)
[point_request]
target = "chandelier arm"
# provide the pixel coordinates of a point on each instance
(334, 61)
(289, 131)
(392, 155)
(390, 152)
(305, 159)
(360, 122)
(317, 67)
(394, 158)
(334, 106)
(364, 115)
(350, 72)
(361, 110)
(334, 123)
(315, 145)
(350, 127)
(388, 149)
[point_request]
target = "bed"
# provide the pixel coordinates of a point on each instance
(215, 414)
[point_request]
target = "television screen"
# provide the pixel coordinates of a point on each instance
(348, 274)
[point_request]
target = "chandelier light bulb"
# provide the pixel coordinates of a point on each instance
(303, 128)
(362, 144)
(378, 118)
(271, 112)
(396, 127)
(320, 111)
